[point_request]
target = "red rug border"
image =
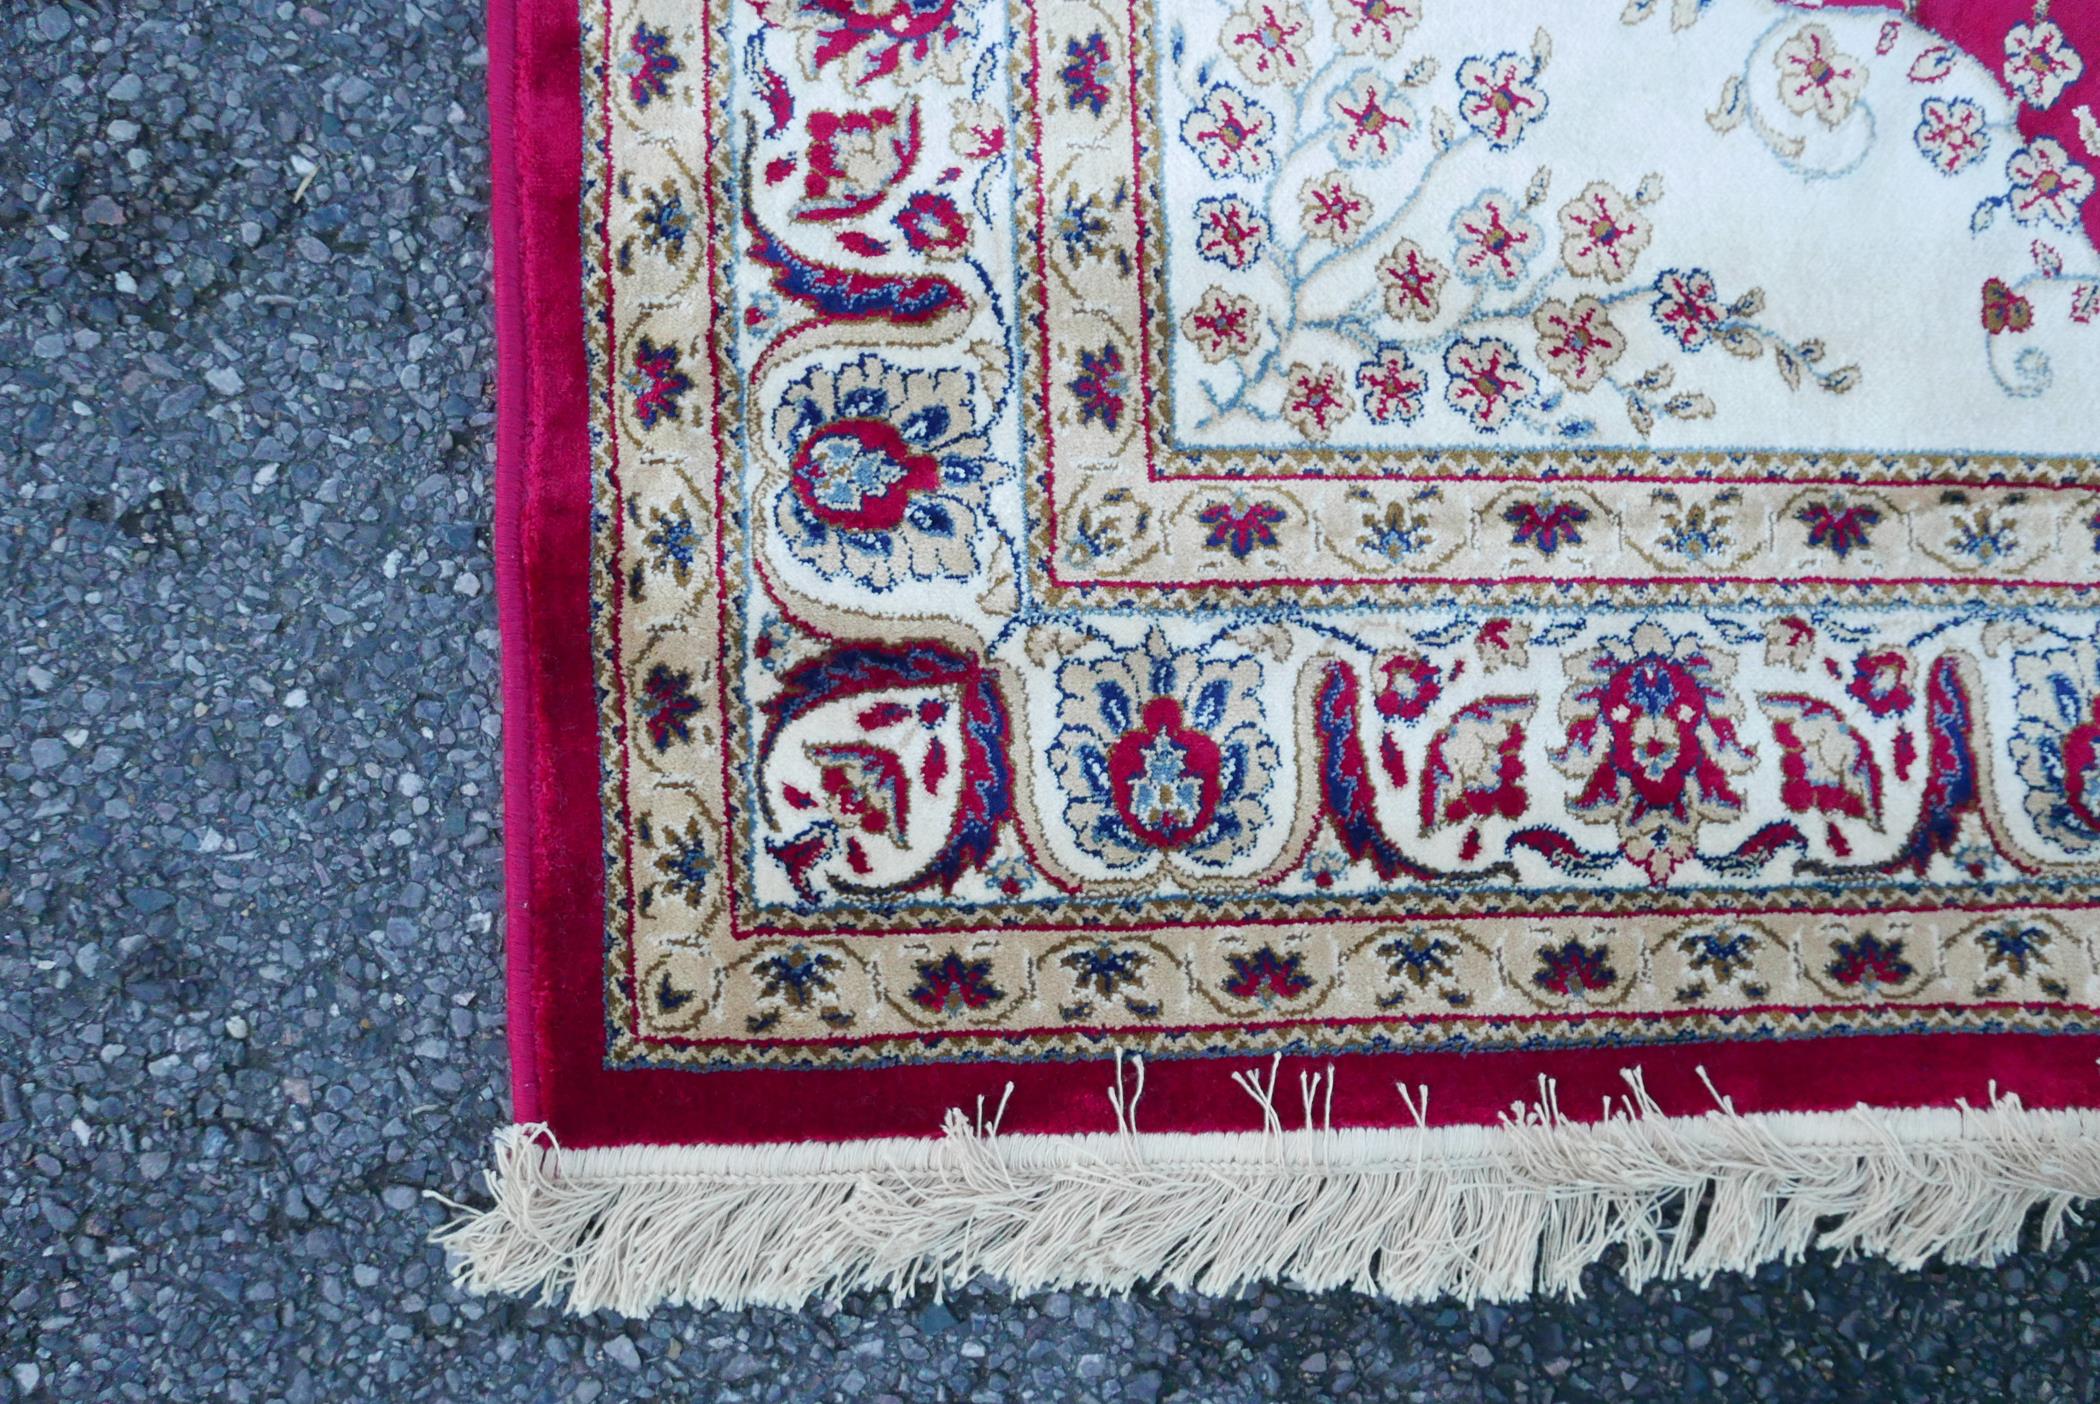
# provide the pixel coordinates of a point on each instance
(555, 894)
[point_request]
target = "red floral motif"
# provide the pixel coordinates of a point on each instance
(1869, 961)
(1602, 233)
(952, 985)
(1838, 526)
(1374, 26)
(1084, 73)
(1268, 41)
(1266, 976)
(933, 225)
(1162, 753)
(1241, 526)
(1687, 305)
(656, 382)
(859, 474)
(2039, 63)
(1315, 399)
(1495, 240)
(1815, 78)
(1229, 231)
(649, 64)
(1881, 681)
(668, 706)
(1394, 391)
(1333, 209)
(892, 31)
(1652, 734)
(2047, 185)
(2005, 310)
(1408, 685)
(1376, 116)
(1825, 765)
(1497, 98)
(864, 787)
(1475, 766)
(1101, 385)
(1573, 970)
(855, 159)
(1547, 524)
(1222, 325)
(1165, 777)
(1952, 133)
(1577, 342)
(1487, 381)
(1230, 133)
(983, 778)
(1413, 282)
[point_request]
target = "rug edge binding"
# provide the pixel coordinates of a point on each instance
(1410, 1213)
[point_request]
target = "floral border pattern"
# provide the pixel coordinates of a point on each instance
(879, 786)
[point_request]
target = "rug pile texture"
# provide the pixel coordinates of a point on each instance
(1377, 643)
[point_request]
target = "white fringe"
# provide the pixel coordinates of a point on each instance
(1472, 1212)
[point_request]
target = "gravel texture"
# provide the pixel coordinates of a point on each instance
(250, 978)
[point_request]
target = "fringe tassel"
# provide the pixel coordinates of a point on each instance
(1473, 1212)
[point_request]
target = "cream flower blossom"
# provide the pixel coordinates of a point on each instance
(1333, 209)
(1500, 98)
(1577, 342)
(1815, 79)
(1315, 399)
(2039, 63)
(1222, 325)
(1394, 389)
(1230, 134)
(1602, 233)
(1375, 120)
(1495, 242)
(1270, 40)
(1487, 381)
(1952, 133)
(2047, 185)
(1412, 281)
(1374, 26)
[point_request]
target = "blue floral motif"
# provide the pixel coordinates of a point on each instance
(2056, 743)
(1952, 133)
(1231, 134)
(1498, 97)
(649, 64)
(1086, 61)
(683, 863)
(887, 472)
(1230, 231)
(1101, 385)
(1163, 753)
(673, 543)
(1084, 229)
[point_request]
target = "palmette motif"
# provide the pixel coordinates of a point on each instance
(1337, 526)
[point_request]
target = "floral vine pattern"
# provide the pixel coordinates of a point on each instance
(1508, 310)
(2044, 186)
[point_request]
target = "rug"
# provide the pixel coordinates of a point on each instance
(1373, 643)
